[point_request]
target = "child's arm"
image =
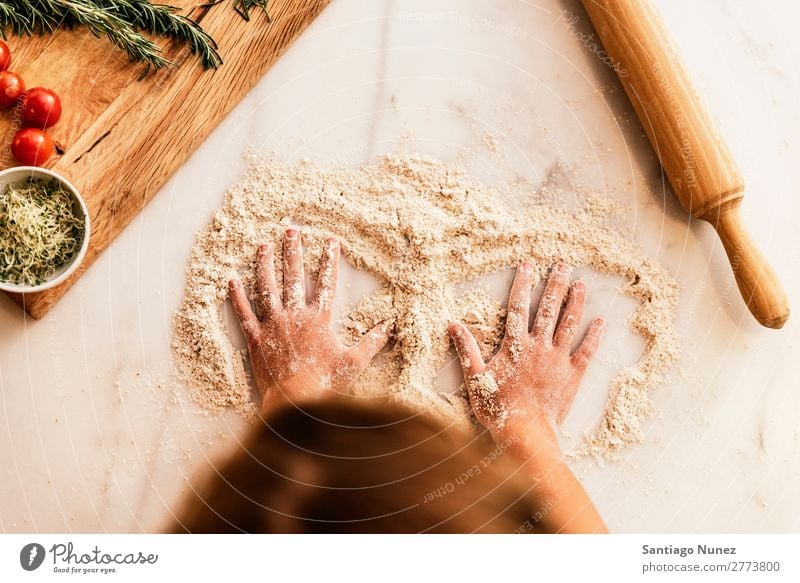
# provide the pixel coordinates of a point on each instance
(527, 388)
(293, 350)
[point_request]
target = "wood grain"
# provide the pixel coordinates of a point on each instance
(123, 138)
(699, 166)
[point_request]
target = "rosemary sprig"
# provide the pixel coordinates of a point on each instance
(10, 19)
(45, 16)
(32, 19)
(163, 20)
(243, 7)
(123, 22)
(102, 21)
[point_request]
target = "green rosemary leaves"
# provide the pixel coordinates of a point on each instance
(123, 22)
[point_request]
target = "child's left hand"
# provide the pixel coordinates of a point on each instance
(293, 350)
(530, 383)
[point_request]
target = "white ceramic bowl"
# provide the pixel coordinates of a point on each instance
(21, 173)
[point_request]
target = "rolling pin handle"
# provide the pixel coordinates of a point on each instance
(757, 282)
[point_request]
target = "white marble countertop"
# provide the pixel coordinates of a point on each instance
(89, 442)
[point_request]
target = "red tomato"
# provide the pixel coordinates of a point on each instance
(5, 56)
(32, 147)
(41, 107)
(11, 88)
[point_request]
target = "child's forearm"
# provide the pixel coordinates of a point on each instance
(565, 507)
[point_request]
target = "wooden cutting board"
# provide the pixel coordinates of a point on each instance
(123, 138)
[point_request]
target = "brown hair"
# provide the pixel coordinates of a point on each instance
(345, 465)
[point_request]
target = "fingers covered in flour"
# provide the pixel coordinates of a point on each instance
(294, 286)
(362, 353)
(571, 316)
(242, 309)
(588, 347)
(467, 348)
(267, 288)
(519, 302)
(328, 278)
(550, 305)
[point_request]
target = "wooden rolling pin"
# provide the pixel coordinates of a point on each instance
(699, 166)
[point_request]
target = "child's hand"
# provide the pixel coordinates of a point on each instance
(530, 383)
(293, 350)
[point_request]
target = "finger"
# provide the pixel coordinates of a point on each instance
(267, 287)
(550, 305)
(241, 307)
(362, 353)
(467, 349)
(519, 302)
(583, 355)
(294, 285)
(328, 277)
(571, 316)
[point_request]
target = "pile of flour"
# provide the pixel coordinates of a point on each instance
(422, 227)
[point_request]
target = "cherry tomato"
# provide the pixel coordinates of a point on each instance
(32, 147)
(5, 56)
(11, 88)
(41, 107)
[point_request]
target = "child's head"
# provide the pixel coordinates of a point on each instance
(351, 465)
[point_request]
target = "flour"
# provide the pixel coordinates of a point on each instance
(423, 228)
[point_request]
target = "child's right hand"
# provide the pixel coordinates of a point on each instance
(294, 352)
(529, 385)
